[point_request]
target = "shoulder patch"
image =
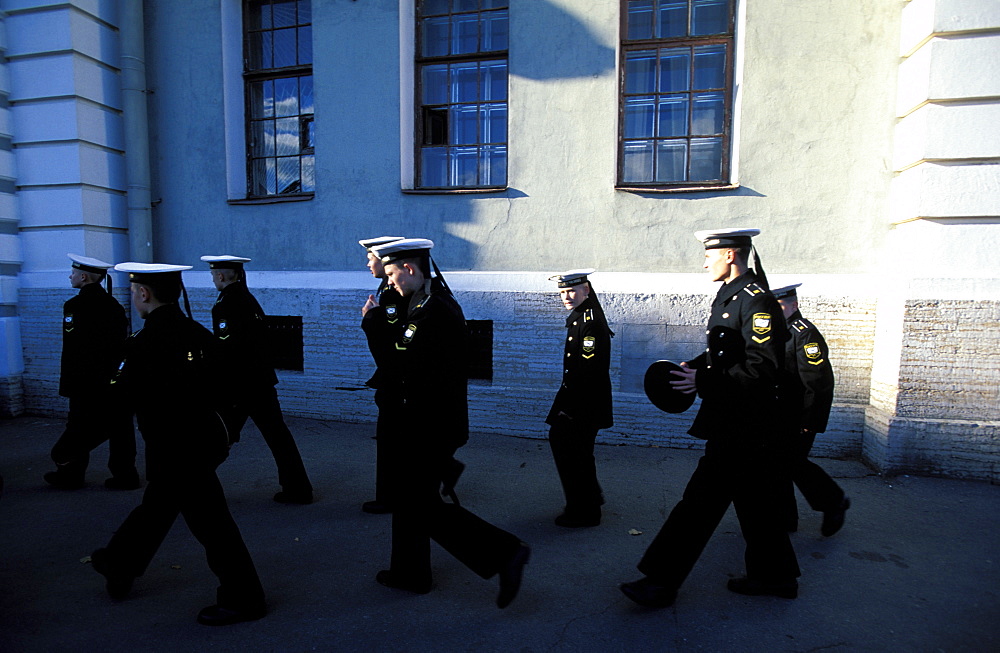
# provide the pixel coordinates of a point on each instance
(391, 314)
(814, 353)
(588, 315)
(799, 325)
(753, 289)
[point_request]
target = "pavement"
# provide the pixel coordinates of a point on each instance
(915, 568)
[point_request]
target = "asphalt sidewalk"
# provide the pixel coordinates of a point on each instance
(916, 567)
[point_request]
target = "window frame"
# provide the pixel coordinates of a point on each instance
(730, 42)
(249, 78)
(419, 123)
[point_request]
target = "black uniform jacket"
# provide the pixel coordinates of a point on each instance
(585, 393)
(739, 374)
(238, 322)
(382, 326)
(429, 358)
(94, 332)
(171, 379)
(807, 361)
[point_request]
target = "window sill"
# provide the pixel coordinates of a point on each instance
(275, 199)
(680, 189)
(452, 191)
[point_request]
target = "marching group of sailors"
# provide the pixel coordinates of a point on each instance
(764, 379)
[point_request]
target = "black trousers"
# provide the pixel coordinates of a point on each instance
(820, 491)
(421, 515)
(573, 453)
(196, 495)
(753, 481)
(91, 422)
(261, 405)
(387, 432)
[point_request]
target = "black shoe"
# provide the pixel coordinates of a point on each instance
(64, 481)
(834, 519)
(376, 507)
(752, 587)
(216, 615)
(387, 578)
(118, 585)
(123, 483)
(568, 520)
(301, 498)
(648, 593)
(510, 575)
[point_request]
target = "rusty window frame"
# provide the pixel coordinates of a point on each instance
(254, 75)
(431, 120)
(628, 46)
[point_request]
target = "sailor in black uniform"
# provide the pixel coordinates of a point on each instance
(582, 405)
(170, 378)
(429, 359)
(748, 433)
(811, 382)
(238, 323)
(94, 327)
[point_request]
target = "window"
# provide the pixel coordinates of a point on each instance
(676, 93)
(278, 87)
(480, 352)
(461, 93)
(285, 334)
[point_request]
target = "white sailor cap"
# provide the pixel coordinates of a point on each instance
(369, 243)
(225, 262)
(87, 264)
(718, 238)
(405, 248)
(572, 278)
(152, 273)
(785, 291)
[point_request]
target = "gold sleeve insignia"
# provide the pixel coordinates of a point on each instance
(813, 353)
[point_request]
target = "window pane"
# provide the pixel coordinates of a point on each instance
(670, 160)
(493, 162)
(673, 18)
(640, 71)
(288, 175)
(305, 44)
(708, 114)
(284, 48)
(675, 69)
(286, 96)
(267, 50)
(494, 123)
(264, 177)
(434, 84)
(640, 19)
(710, 17)
(305, 12)
(434, 166)
(639, 114)
(255, 56)
(284, 13)
(306, 94)
(637, 164)
(465, 34)
(287, 136)
(435, 125)
(706, 159)
(263, 138)
(710, 66)
(465, 166)
(309, 134)
(309, 174)
(262, 99)
(494, 4)
(463, 125)
(495, 26)
(673, 116)
(429, 7)
(465, 82)
(494, 80)
(465, 5)
(435, 36)
(258, 13)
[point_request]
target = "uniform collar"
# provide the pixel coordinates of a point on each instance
(794, 316)
(729, 290)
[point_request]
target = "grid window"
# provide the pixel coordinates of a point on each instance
(279, 97)
(676, 117)
(461, 69)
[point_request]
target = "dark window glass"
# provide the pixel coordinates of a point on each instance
(461, 75)
(480, 354)
(676, 122)
(285, 339)
(279, 97)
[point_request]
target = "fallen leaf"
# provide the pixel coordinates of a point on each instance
(632, 531)
(175, 566)
(85, 560)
